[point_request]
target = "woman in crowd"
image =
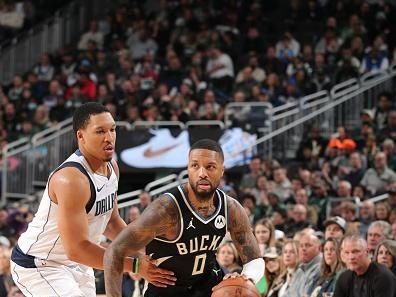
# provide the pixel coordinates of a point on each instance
(382, 211)
(273, 268)
(331, 268)
(385, 254)
(264, 232)
(289, 261)
(227, 257)
(392, 216)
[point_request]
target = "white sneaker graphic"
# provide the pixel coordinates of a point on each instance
(162, 150)
(238, 147)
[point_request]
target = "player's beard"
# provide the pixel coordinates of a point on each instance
(203, 195)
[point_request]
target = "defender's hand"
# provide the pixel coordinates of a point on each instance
(154, 275)
(235, 275)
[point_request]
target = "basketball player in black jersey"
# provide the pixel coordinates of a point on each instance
(182, 230)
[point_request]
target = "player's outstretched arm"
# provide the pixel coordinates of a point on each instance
(244, 240)
(159, 217)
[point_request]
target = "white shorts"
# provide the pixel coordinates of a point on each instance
(51, 279)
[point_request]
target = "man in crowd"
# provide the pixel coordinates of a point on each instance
(377, 232)
(363, 277)
(308, 271)
(335, 228)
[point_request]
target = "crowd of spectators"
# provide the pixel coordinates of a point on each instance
(18, 16)
(185, 60)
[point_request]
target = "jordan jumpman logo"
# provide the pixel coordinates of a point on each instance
(190, 225)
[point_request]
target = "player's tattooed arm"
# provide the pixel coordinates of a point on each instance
(158, 218)
(241, 232)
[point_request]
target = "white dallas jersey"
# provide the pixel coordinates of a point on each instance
(42, 239)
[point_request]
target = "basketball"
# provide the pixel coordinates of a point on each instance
(235, 287)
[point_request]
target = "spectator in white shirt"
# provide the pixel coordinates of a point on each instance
(220, 69)
(93, 34)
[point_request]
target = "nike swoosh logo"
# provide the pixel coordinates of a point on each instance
(150, 153)
(161, 260)
(100, 189)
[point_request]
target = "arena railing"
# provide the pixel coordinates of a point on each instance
(157, 124)
(332, 201)
(126, 200)
(183, 176)
(346, 100)
(316, 106)
(197, 123)
(30, 161)
(379, 198)
(281, 116)
(49, 147)
(160, 182)
(64, 28)
(319, 109)
(16, 171)
(292, 118)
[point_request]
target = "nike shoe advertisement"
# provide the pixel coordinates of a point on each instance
(167, 148)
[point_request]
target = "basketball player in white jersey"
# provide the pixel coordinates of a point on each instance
(56, 254)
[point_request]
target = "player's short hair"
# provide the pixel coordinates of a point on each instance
(83, 113)
(208, 144)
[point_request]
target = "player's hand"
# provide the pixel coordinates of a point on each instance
(134, 276)
(154, 275)
(235, 275)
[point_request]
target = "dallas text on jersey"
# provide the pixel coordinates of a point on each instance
(105, 204)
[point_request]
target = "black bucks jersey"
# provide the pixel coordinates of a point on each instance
(191, 256)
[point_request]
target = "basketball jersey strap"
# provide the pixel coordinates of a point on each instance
(81, 168)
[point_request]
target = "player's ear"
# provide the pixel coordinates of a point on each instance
(79, 135)
(222, 170)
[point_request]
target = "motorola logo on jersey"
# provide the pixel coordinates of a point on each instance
(201, 243)
(220, 222)
(104, 205)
